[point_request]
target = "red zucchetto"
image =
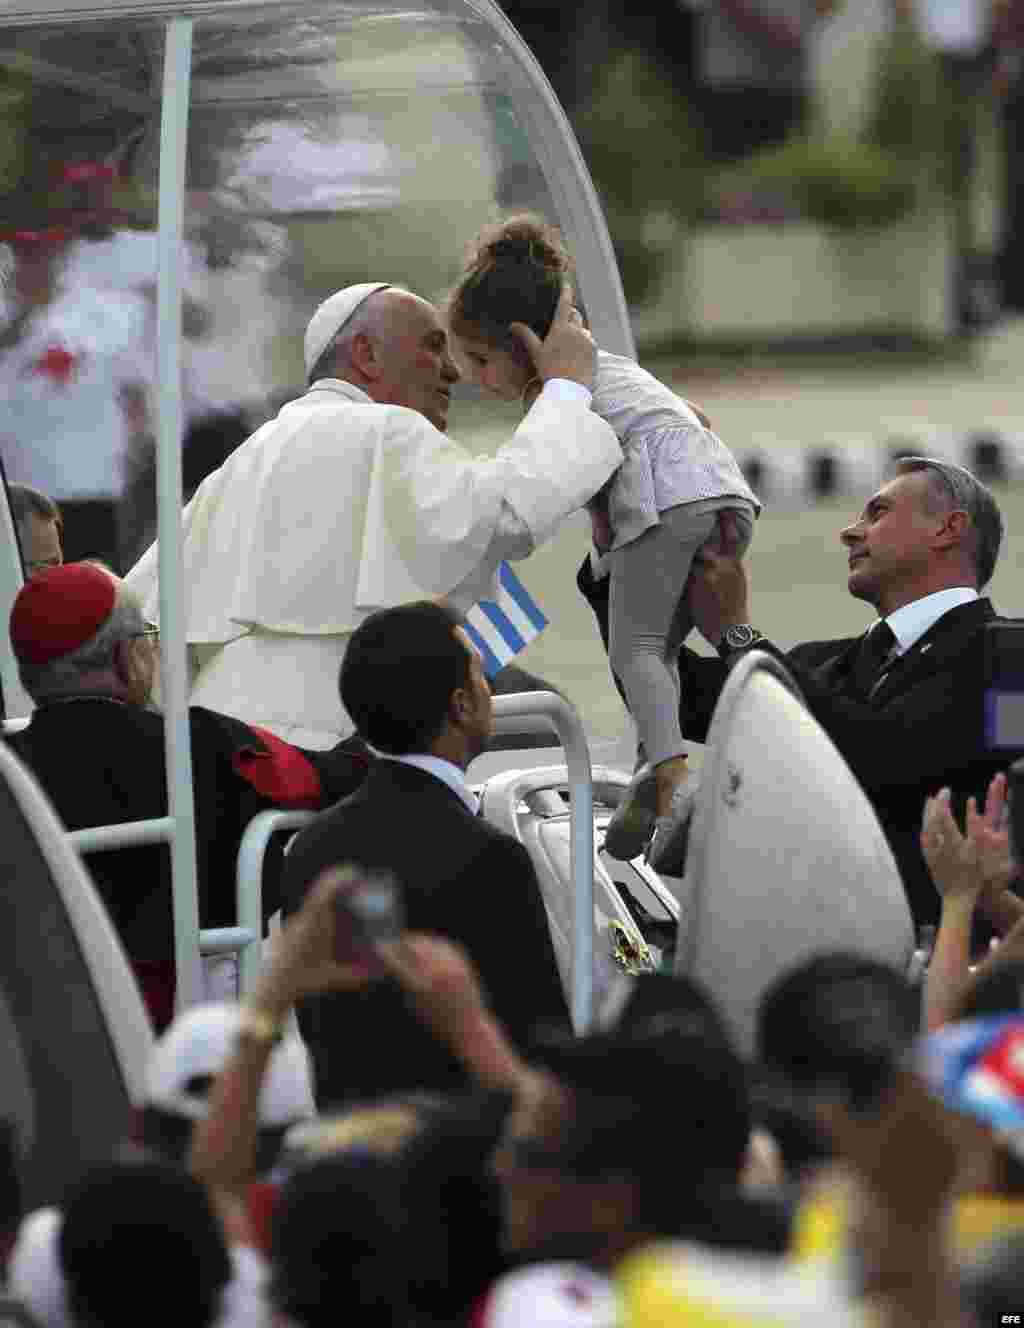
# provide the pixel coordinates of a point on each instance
(59, 610)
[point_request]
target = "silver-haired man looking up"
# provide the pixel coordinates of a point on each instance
(903, 702)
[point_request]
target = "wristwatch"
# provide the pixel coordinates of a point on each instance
(741, 636)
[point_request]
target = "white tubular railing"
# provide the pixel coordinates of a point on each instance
(132, 834)
(178, 827)
(251, 852)
(174, 677)
(544, 712)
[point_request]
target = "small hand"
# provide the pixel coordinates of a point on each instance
(952, 857)
(568, 350)
(989, 830)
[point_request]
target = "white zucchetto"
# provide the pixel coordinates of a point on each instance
(332, 316)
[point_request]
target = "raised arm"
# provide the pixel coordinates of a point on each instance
(223, 1153)
(952, 859)
(443, 988)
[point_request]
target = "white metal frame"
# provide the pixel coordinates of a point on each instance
(249, 887)
(113, 980)
(540, 712)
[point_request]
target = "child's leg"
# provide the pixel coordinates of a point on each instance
(735, 541)
(647, 582)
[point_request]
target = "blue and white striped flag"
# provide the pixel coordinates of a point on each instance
(501, 629)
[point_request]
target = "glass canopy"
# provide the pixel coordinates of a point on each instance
(327, 143)
(180, 185)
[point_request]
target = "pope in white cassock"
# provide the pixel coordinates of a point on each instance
(353, 499)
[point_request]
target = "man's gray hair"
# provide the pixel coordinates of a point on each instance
(958, 490)
(60, 676)
(340, 345)
(26, 501)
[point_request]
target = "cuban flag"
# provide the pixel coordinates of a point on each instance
(501, 628)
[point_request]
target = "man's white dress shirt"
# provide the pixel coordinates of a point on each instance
(911, 622)
(446, 771)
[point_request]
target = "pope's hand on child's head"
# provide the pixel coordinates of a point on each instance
(568, 350)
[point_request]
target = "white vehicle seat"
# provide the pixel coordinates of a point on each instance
(74, 1035)
(635, 914)
(786, 856)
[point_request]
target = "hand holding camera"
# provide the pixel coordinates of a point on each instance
(329, 945)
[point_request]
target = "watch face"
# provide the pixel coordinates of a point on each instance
(740, 636)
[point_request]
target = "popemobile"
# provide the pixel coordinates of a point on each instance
(181, 184)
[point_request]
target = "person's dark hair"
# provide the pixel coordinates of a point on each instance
(662, 1104)
(452, 1202)
(338, 1240)
(400, 670)
(839, 1021)
(784, 1113)
(955, 488)
(148, 1224)
(26, 501)
(999, 990)
(167, 1135)
(645, 998)
(515, 273)
(993, 1280)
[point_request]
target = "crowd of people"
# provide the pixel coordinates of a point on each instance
(428, 1142)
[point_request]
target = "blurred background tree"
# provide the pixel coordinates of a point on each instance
(645, 151)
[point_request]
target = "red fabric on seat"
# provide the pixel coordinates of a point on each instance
(281, 773)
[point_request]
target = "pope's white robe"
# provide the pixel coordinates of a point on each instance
(341, 506)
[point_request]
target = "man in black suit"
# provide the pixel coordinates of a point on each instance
(904, 702)
(414, 686)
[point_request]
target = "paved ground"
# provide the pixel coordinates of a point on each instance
(797, 568)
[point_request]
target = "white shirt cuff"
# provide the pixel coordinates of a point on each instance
(567, 389)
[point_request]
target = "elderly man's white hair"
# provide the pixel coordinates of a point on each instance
(332, 316)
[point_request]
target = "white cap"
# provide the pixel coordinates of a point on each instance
(550, 1295)
(33, 1271)
(200, 1042)
(332, 316)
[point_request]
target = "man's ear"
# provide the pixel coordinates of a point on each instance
(363, 355)
(459, 706)
(955, 526)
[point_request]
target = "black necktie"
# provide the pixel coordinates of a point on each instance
(874, 655)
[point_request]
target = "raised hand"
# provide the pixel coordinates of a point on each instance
(303, 961)
(990, 831)
(952, 857)
(568, 350)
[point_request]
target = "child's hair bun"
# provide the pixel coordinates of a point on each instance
(524, 239)
(515, 272)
